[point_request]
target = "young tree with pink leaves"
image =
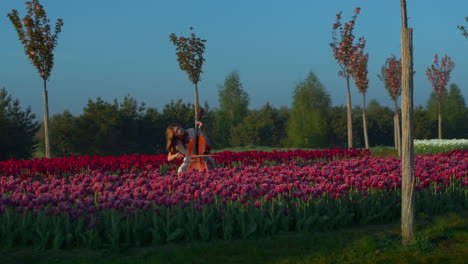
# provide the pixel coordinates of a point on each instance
(35, 34)
(344, 48)
(359, 72)
(439, 76)
(391, 76)
(189, 51)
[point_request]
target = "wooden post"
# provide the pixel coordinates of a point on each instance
(398, 128)
(407, 155)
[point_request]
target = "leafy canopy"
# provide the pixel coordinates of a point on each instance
(189, 52)
(35, 34)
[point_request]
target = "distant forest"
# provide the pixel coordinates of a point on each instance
(131, 127)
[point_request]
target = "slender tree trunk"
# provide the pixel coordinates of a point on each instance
(396, 120)
(439, 105)
(407, 155)
(364, 121)
(395, 139)
(349, 119)
(196, 103)
(46, 121)
(195, 145)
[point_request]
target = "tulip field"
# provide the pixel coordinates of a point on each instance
(139, 200)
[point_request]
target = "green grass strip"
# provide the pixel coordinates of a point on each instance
(439, 239)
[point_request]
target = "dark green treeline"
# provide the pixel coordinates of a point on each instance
(131, 127)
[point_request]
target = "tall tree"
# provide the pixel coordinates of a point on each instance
(308, 123)
(280, 119)
(189, 51)
(130, 113)
(424, 127)
(457, 114)
(380, 123)
(464, 29)
(17, 129)
(63, 132)
(407, 150)
(180, 111)
(439, 76)
(35, 34)
(454, 109)
(391, 77)
(99, 129)
(338, 133)
(344, 48)
(247, 133)
(151, 134)
(359, 72)
(233, 107)
(263, 127)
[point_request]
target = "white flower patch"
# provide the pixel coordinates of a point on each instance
(422, 146)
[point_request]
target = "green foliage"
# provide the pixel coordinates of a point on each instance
(308, 122)
(63, 128)
(233, 108)
(98, 128)
(178, 112)
(129, 127)
(120, 128)
(338, 132)
(424, 126)
(110, 129)
(151, 132)
(454, 112)
(130, 113)
(456, 115)
(431, 106)
(379, 124)
(264, 127)
(18, 128)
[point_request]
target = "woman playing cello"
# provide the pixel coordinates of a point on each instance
(177, 144)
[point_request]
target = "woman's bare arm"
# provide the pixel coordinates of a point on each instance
(171, 157)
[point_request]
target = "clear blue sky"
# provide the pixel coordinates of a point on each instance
(111, 48)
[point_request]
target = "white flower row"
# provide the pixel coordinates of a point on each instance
(439, 145)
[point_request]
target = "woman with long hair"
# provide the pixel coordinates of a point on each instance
(177, 140)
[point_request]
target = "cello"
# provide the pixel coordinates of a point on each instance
(198, 148)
